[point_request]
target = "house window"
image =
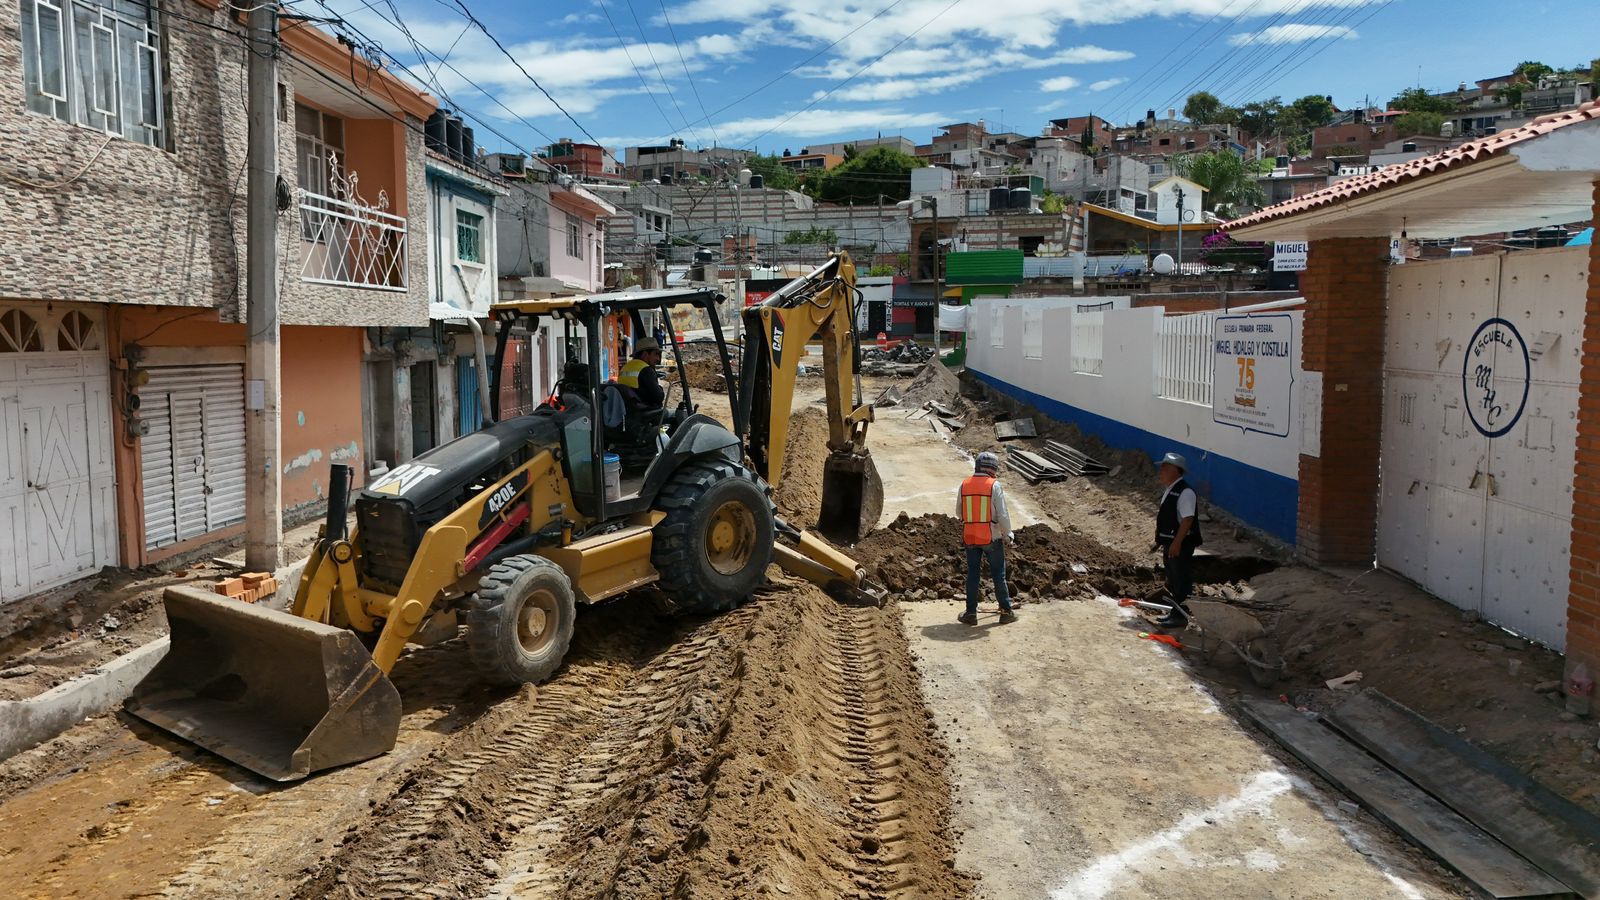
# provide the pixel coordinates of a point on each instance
(649, 174)
(1165, 142)
(95, 63)
(574, 238)
(469, 237)
(319, 149)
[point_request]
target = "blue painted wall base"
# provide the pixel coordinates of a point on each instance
(1257, 497)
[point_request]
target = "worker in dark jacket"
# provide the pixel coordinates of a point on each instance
(1177, 536)
(985, 527)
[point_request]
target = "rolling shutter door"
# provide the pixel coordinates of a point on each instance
(193, 456)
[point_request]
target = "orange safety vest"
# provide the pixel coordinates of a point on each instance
(977, 511)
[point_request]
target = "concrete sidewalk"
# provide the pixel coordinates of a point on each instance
(1088, 764)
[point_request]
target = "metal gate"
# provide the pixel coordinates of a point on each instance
(192, 458)
(57, 476)
(1479, 432)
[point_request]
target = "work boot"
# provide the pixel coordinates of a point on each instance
(967, 618)
(1178, 618)
(1008, 615)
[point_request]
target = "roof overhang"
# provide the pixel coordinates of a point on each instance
(1541, 178)
(577, 200)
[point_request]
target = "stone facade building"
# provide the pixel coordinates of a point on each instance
(122, 265)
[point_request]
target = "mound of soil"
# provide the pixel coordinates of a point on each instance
(923, 559)
(933, 382)
(702, 368)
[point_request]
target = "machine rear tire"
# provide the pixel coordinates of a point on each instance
(520, 622)
(713, 547)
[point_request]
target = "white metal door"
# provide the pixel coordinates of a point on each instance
(192, 457)
(1479, 430)
(57, 476)
(1527, 565)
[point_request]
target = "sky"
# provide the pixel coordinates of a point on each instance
(779, 74)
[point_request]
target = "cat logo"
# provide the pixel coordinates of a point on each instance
(402, 478)
(777, 340)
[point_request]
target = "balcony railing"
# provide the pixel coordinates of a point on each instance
(351, 244)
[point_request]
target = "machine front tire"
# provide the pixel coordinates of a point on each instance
(520, 622)
(713, 547)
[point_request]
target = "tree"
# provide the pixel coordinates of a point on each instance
(1415, 123)
(1259, 118)
(772, 172)
(1311, 111)
(881, 270)
(1202, 108)
(1229, 181)
(1052, 203)
(879, 172)
(1418, 100)
(1086, 140)
(1532, 70)
(813, 235)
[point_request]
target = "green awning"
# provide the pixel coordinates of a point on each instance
(983, 267)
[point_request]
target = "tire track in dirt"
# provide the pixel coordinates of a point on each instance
(442, 831)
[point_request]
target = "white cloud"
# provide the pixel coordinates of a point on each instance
(1294, 34)
(1106, 83)
(898, 88)
(1056, 85)
(826, 122)
(929, 60)
(1015, 24)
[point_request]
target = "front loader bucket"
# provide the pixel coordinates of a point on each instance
(852, 497)
(280, 695)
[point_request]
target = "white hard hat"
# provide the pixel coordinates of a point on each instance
(1174, 459)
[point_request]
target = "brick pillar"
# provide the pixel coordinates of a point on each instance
(1346, 289)
(1583, 594)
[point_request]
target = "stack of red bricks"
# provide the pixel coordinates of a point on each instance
(249, 587)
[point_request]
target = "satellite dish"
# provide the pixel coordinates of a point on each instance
(1163, 264)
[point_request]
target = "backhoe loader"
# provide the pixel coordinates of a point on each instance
(508, 529)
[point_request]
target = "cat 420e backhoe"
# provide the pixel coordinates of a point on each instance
(509, 529)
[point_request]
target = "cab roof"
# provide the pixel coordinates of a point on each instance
(615, 300)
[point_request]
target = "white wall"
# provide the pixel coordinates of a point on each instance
(1230, 462)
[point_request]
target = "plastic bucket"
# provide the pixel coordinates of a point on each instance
(613, 464)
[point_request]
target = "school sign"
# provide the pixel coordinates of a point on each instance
(1253, 379)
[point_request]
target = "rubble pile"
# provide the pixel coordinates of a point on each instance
(922, 559)
(901, 359)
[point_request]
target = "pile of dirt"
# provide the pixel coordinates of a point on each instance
(923, 559)
(799, 493)
(935, 383)
(779, 749)
(702, 367)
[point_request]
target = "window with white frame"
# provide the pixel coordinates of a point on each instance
(574, 237)
(319, 149)
(469, 237)
(95, 63)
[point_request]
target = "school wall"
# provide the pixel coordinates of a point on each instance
(1251, 475)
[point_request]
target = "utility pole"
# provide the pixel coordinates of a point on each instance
(938, 276)
(1180, 231)
(263, 498)
(738, 260)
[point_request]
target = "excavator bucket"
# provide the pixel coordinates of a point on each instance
(852, 497)
(280, 695)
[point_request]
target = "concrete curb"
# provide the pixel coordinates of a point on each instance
(25, 724)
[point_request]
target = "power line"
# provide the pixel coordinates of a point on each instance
(692, 86)
(672, 129)
(874, 61)
(659, 74)
(1132, 82)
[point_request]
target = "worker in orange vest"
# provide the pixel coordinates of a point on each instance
(985, 526)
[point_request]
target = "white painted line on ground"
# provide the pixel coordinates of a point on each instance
(1102, 876)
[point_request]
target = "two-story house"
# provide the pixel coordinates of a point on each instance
(122, 258)
(552, 245)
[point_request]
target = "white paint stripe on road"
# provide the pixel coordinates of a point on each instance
(1102, 876)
